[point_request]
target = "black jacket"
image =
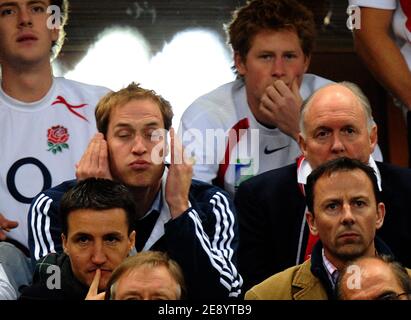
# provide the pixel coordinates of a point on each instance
(203, 240)
(271, 208)
(53, 279)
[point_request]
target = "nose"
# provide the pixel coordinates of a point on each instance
(337, 145)
(278, 70)
(139, 146)
(98, 256)
(347, 215)
(25, 19)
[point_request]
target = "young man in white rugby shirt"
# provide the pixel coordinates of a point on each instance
(45, 122)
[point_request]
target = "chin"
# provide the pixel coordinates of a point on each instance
(137, 181)
(351, 252)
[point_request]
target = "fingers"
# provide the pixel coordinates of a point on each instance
(94, 284)
(103, 154)
(92, 292)
(177, 150)
(94, 162)
(281, 95)
(172, 145)
(5, 226)
(282, 89)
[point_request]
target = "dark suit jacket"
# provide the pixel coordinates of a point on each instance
(271, 208)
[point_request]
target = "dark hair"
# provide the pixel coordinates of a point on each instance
(149, 259)
(133, 91)
(260, 15)
(97, 194)
(399, 271)
(64, 10)
(337, 165)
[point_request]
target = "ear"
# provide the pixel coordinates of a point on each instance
(132, 240)
(239, 64)
(373, 137)
(302, 144)
(307, 61)
(64, 241)
(311, 223)
(380, 215)
(55, 34)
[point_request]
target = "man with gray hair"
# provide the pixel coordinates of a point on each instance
(336, 121)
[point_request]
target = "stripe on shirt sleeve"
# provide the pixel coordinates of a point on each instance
(219, 250)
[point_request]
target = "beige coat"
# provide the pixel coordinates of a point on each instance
(295, 283)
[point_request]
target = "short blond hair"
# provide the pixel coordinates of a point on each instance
(119, 98)
(149, 259)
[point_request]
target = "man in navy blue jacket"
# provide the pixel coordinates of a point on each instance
(335, 121)
(193, 222)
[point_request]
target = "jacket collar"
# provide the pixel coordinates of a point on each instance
(318, 270)
(306, 286)
(71, 287)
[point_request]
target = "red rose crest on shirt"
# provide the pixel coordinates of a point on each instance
(57, 137)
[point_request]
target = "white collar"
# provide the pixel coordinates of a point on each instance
(164, 217)
(304, 170)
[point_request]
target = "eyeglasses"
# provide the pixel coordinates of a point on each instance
(394, 296)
